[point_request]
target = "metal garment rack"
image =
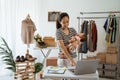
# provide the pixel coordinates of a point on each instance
(98, 17)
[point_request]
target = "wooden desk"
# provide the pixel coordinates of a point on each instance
(69, 75)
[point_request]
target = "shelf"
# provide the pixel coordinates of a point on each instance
(25, 70)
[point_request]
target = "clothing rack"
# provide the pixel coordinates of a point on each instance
(99, 12)
(98, 17)
(94, 17)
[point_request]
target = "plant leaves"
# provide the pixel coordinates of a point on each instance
(38, 67)
(6, 44)
(10, 63)
(3, 49)
(7, 55)
(8, 60)
(1, 53)
(11, 68)
(11, 55)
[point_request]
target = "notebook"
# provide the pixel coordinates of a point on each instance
(56, 70)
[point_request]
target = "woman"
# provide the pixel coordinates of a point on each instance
(64, 34)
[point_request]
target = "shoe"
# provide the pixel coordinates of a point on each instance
(17, 59)
(30, 58)
(22, 59)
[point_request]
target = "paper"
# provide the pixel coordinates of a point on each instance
(56, 70)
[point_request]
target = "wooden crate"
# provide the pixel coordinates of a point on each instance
(25, 70)
(111, 59)
(101, 56)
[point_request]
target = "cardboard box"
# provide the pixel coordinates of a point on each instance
(111, 58)
(51, 61)
(49, 41)
(100, 71)
(110, 67)
(100, 66)
(101, 56)
(91, 58)
(111, 50)
(110, 73)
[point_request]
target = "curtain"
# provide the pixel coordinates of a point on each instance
(12, 12)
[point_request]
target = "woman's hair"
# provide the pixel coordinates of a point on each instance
(61, 16)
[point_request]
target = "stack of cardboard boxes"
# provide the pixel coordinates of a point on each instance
(110, 68)
(108, 62)
(25, 70)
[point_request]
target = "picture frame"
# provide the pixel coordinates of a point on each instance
(53, 15)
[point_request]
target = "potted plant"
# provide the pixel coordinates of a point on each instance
(39, 42)
(7, 57)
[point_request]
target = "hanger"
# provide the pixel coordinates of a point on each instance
(28, 17)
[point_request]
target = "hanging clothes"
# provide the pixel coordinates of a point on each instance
(92, 36)
(83, 48)
(89, 28)
(27, 30)
(110, 27)
(114, 30)
(90, 42)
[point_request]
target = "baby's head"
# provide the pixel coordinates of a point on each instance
(80, 38)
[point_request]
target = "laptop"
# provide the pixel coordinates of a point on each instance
(85, 67)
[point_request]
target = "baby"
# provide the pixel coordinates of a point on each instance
(75, 42)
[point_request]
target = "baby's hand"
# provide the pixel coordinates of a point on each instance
(72, 40)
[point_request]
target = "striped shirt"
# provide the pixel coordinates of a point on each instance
(60, 35)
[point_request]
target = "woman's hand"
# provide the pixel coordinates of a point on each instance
(61, 55)
(73, 63)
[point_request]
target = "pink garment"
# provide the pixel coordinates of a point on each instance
(27, 31)
(75, 40)
(74, 43)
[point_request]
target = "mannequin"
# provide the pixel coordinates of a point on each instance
(27, 30)
(27, 34)
(28, 17)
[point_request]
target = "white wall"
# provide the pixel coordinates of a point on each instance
(72, 7)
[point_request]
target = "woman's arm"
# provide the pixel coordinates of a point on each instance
(65, 51)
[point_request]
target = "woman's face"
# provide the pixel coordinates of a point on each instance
(64, 22)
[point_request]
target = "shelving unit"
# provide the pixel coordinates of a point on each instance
(25, 70)
(107, 70)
